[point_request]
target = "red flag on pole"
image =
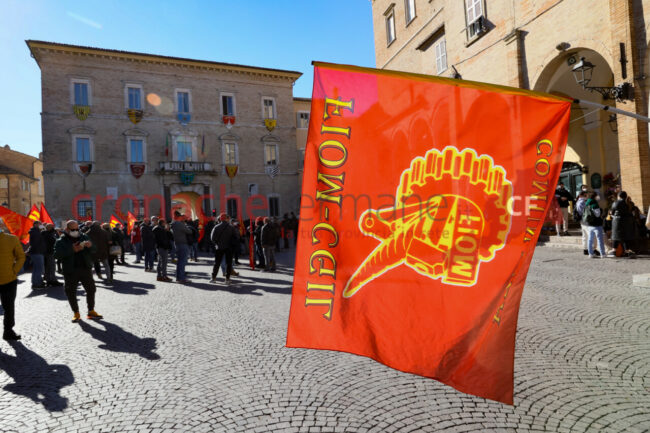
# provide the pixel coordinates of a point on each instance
(45, 215)
(131, 219)
(34, 213)
(17, 224)
(428, 196)
(114, 221)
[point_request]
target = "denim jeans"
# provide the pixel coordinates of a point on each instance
(148, 259)
(162, 262)
(181, 253)
(138, 251)
(599, 234)
(37, 269)
(194, 250)
(269, 257)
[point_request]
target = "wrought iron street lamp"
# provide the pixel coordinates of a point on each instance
(582, 72)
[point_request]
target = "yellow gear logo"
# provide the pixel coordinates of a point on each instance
(449, 216)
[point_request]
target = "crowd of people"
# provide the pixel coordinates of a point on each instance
(619, 229)
(77, 249)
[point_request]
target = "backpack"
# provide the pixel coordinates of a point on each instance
(588, 216)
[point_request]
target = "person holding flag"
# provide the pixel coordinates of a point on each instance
(12, 258)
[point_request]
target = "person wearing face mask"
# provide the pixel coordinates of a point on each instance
(37, 253)
(75, 251)
(12, 258)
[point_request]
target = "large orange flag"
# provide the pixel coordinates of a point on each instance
(45, 215)
(423, 198)
(17, 224)
(34, 213)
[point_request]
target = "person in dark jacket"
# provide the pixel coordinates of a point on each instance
(163, 245)
(193, 240)
(563, 198)
(50, 236)
(75, 251)
(102, 241)
(37, 251)
(148, 245)
(622, 223)
(222, 237)
(205, 243)
(592, 216)
(118, 239)
(257, 239)
(112, 240)
(269, 240)
(180, 230)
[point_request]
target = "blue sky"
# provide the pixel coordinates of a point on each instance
(279, 34)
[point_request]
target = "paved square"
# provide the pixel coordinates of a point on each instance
(207, 357)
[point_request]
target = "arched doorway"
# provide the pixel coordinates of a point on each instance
(188, 200)
(592, 147)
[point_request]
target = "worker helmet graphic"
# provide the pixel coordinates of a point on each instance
(449, 216)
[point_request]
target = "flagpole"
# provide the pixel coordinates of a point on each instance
(612, 109)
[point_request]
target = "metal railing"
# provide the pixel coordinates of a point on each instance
(192, 166)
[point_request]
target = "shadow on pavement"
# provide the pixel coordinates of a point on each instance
(236, 288)
(50, 292)
(129, 287)
(35, 378)
(117, 339)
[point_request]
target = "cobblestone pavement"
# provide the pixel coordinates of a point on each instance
(211, 358)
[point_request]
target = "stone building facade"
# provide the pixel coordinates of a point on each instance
(536, 44)
(21, 180)
(302, 107)
(137, 132)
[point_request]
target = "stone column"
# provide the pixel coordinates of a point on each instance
(634, 152)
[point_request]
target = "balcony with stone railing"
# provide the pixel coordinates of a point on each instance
(186, 166)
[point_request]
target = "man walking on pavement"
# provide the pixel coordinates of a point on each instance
(74, 249)
(563, 198)
(222, 237)
(12, 258)
(37, 253)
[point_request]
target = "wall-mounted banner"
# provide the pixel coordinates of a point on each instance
(187, 177)
(270, 124)
(137, 170)
(81, 111)
(231, 170)
(229, 121)
(423, 198)
(135, 116)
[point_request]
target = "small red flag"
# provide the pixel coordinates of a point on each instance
(17, 224)
(427, 198)
(114, 221)
(45, 215)
(131, 219)
(34, 213)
